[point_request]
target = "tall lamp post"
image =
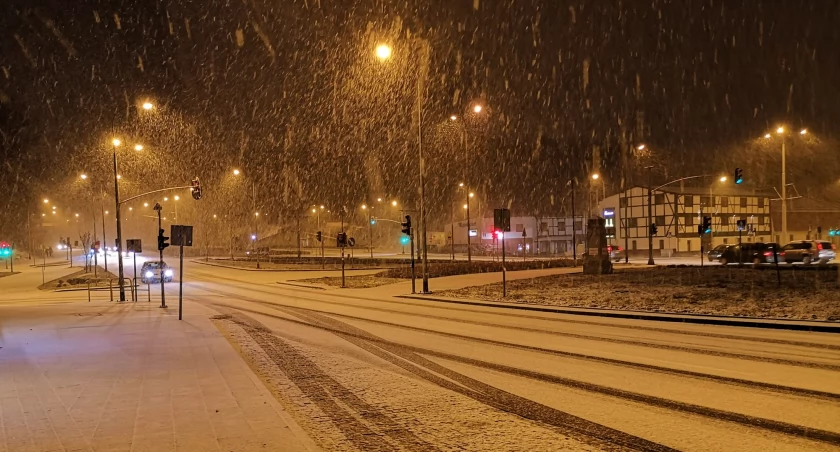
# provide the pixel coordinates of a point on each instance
(383, 52)
(781, 132)
(650, 215)
(116, 142)
(476, 109)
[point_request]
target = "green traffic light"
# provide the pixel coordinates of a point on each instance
(404, 240)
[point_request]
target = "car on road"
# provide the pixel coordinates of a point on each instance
(807, 252)
(153, 271)
(746, 253)
(769, 251)
(714, 253)
(617, 253)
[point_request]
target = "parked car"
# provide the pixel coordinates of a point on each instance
(153, 271)
(808, 251)
(714, 253)
(768, 253)
(617, 253)
(747, 253)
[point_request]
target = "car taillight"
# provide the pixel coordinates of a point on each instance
(782, 253)
(768, 253)
(609, 249)
(819, 246)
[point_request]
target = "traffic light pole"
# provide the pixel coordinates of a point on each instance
(119, 231)
(650, 217)
(162, 278)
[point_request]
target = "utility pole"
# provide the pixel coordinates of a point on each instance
(370, 230)
(784, 196)
(424, 58)
(469, 245)
(574, 229)
(119, 231)
(104, 240)
(650, 215)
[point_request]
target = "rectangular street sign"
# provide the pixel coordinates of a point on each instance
(134, 246)
(181, 235)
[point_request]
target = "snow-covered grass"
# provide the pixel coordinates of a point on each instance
(810, 295)
(353, 282)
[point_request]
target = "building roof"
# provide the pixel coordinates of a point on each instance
(718, 190)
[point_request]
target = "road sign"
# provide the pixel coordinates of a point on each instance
(501, 220)
(742, 225)
(134, 246)
(351, 241)
(181, 235)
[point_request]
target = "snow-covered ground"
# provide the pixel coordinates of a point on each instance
(803, 295)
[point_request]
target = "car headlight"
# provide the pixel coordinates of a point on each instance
(168, 273)
(150, 274)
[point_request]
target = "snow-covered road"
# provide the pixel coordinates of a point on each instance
(362, 372)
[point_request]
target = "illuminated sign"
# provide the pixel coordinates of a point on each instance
(609, 213)
(473, 232)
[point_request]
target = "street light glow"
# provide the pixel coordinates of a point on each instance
(83, 176)
(453, 118)
(767, 135)
(378, 199)
(165, 198)
(77, 215)
(466, 206)
(145, 204)
(177, 197)
(106, 212)
(119, 176)
(148, 106)
(723, 178)
(53, 207)
(130, 208)
(138, 147)
(477, 108)
(803, 131)
(780, 130)
(313, 210)
(595, 176)
(214, 215)
(394, 203)
(116, 142)
(322, 207)
(256, 214)
(472, 194)
(640, 147)
(46, 201)
(236, 172)
(383, 51)
(364, 206)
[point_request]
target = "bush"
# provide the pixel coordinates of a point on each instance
(439, 269)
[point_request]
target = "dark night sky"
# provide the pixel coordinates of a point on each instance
(290, 92)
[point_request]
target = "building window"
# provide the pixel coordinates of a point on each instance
(725, 241)
(660, 221)
(543, 227)
(760, 203)
(659, 198)
(724, 201)
(689, 221)
(561, 224)
(519, 227)
(688, 200)
(634, 245)
(661, 244)
(743, 202)
(622, 201)
(632, 222)
(708, 201)
(761, 219)
(724, 221)
(578, 225)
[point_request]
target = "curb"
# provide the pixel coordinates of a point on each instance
(304, 286)
(290, 270)
(777, 324)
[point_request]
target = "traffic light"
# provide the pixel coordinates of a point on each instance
(5, 249)
(832, 232)
(195, 187)
(162, 239)
(404, 240)
(318, 236)
(406, 227)
(707, 225)
(373, 221)
(739, 175)
(653, 229)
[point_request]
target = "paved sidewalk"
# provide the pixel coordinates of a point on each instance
(131, 377)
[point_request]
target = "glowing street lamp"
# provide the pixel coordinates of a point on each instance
(148, 106)
(595, 176)
(46, 201)
(177, 197)
(723, 178)
(116, 142)
(477, 109)
(383, 51)
(145, 204)
(138, 147)
(236, 172)
(83, 176)
(640, 147)
(394, 203)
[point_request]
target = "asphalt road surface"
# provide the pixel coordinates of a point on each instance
(361, 370)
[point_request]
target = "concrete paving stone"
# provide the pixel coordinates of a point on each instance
(193, 443)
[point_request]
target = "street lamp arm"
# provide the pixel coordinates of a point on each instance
(153, 191)
(681, 179)
(385, 219)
